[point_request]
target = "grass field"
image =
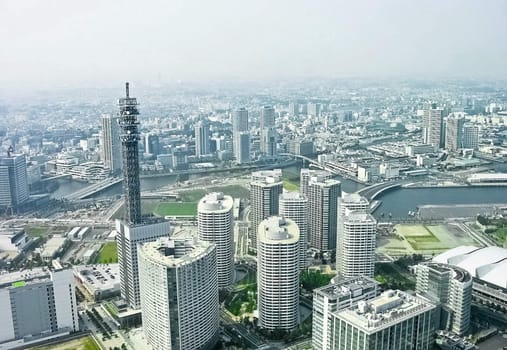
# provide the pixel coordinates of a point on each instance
(176, 209)
(236, 191)
(44, 230)
(290, 186)
(86, 343)
(107, 254)
(423, 239)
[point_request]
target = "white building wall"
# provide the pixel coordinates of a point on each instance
(6, 327)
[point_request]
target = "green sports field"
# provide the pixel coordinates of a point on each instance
(176, 209)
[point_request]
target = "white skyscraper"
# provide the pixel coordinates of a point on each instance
(128, 239)
(433, 131)
(240, 120)
(215, 225)
(179, 293)
(13, 180)
(323, 197)
(202, 138)
(278, 273)
(110, 143)
(294, 206)
(267, 119)
(358, 237)
(346, 204)
(265, 190)
(452, 287)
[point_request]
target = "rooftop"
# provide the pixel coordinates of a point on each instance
(12, 279)
(99, 277)
(488, 264)
(215, 202)
(343, 287)
(278, 230)
(384, 311)
(175, 251)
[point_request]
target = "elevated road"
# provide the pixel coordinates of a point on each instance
(93, 189)
(371, 192)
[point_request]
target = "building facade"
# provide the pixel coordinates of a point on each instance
(215, 224)
(179, 294)
(323, 197)
(340, 294)
(110, 143)
(452, 287)
(265, 190)
(13, 180)
(433, 131)
(306, 174)
(278, 274)
(294, 206)
(202, 138)
(394, 320)
(36, 304)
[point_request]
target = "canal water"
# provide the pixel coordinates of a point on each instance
(397, 202)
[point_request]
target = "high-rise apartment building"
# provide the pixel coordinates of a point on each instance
(242, 147)
(433, 132)
(454, 133)
(323, 197)
(339, 295)
(269, 139)
(294, 206)
(346, 204)
(265, 190)
(179, 293)
(134, 229)
(305, 176)
(392, 321)
(267, 119)
(110, 143)
(240, 120)
(36, 304)
(470, 137)
(451, 286)
(278, 273)
(202, 138)
(13, 180)
(215, 224)
(358, 241)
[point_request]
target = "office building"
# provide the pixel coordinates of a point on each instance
(215, 225)
(323, 197)
(433, 132)
(357, 240)
(134, 229)
(306, 174)
(314, 109)
(267, 119)
(152, 145)
(300, 147)
(179, 294)
(242, 147)
(240, 120)
(36, 304)
(339, 295)
(110, 143)
(454, 133)
(470, 137)
(394, 320)
(451, 286)
(294, 206)
(265, 190)
(294, 108)
(278, 274)
(202, 138)
(13, 180)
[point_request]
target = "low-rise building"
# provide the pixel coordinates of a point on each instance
(98, 281)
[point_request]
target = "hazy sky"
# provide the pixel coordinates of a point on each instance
(54, 42)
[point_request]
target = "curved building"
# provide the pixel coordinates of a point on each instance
(294, 206)
(451, 286)
(179, 293)
(215, 225)
(278, 273)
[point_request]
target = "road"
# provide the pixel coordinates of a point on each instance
(238, 330)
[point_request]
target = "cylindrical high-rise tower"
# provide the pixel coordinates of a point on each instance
(278, 273)
(179, 293)
(215, 225)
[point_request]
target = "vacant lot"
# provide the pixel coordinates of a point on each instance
(176, 209)
(107, 254)
(422, 239)
(86, 343)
